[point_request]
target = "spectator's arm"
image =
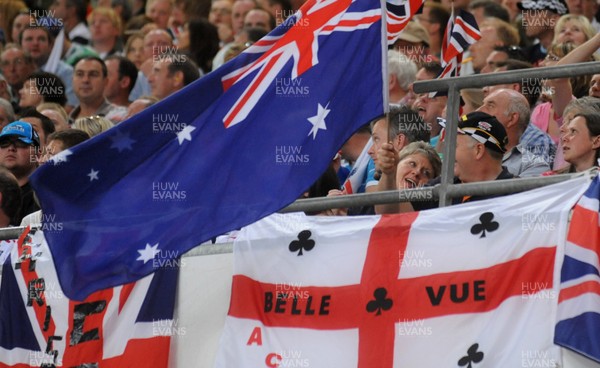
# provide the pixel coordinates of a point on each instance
(562, 87)
(582, 52)
(387, 158)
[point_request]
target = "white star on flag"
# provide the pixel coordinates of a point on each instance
(148, 253)
(121, 141)
(61, 157)
(185, 134)
(93, 174)
(318, 121)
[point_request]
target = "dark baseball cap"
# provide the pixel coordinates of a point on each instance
(557, 6)
(485, 129)
(23, 131)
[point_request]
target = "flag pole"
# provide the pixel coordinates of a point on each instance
(384, 58)
(450, 135)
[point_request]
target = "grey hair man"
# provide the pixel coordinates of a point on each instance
(402, 73)
(512, 111)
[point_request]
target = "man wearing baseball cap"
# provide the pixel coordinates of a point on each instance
(539, 19)
(480, 147)
(19, 153)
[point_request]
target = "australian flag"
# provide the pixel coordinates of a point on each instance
(237, 145)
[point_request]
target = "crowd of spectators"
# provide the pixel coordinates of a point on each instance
(533, 128)
(87, 65)
(71, 69)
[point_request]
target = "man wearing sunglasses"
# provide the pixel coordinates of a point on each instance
(19, 151)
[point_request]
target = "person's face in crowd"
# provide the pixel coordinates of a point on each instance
(178, 17)
(155, 43)
(4, 120)
(52, 149)
(426, 21)
(136, 52)
(595, 86)
(379, 137)
(160, 11)
(511, 6)
(578, 144)
(161, 81)
(535, 22)
(587, 8)
(481, 49)
(29, 94)
(59, 8)
(35, 41)
(491, 62)
(239, 10)
(257, 18)
(37, 126)
(14, 67)
(220, 12)
(413, 171)
(183, 38)
(88, 81)
(571, 32)
(112, 88)
(430, 108)
(496, 104)
(15, 155)
(59, 121)
(465, 156)
(19, 24)
(102, 29)
(590, 8)
(575, 6)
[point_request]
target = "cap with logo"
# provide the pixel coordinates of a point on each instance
(485, 129)
(23, 131)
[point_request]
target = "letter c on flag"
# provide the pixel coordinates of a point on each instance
(270, 358)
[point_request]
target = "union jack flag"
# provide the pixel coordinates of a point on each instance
(126, 326)
(461, 32)
(579, 299)
(399, 12)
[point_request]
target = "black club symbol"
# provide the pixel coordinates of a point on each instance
(473, 356)
(487, 224)
(303, 242)
(380, 303)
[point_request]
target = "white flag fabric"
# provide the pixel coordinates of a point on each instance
(472, 285)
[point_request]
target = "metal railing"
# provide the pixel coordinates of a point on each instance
(446, 190)
(454, 85)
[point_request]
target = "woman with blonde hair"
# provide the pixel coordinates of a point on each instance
(548, 115)
(572, 28)
(56, 113)
(93, 125)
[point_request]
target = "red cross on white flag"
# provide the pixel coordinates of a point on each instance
(432, 289)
